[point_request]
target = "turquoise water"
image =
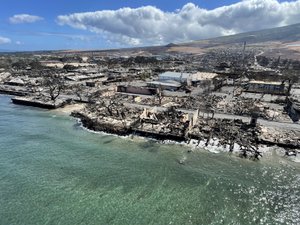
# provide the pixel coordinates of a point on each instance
(54, 172)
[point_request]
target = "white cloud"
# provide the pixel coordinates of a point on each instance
(24, 18)
(150, 25)
(4, 40)
(19, 43)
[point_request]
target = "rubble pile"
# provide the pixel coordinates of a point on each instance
(228, 133)
(171, 123)
(199, 102)
(246, 106)
(238, 106)
(287, 138)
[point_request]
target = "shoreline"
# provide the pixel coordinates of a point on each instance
(193, 146)
(213, 145)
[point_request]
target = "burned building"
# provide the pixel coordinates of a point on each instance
(267, 87)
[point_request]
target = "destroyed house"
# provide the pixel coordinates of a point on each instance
(202, 78)
(266, 87)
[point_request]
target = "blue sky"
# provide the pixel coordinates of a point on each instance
(53, 24)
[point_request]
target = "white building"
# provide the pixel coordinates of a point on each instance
(175, 76)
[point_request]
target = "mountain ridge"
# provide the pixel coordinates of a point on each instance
(285, 34)
(289, 33)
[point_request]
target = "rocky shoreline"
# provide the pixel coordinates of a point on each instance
(93, 124)
(248, 143)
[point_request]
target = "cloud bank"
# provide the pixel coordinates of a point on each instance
(150, 25)
(24, 18)
(4, 40)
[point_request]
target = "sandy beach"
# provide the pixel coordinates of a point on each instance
(70, 108)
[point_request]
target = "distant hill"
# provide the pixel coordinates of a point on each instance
(283, 35)
(171, 45)
(289, 33)
(6, 50)
(281, 42)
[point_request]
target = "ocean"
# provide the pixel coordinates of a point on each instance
(52, 171)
